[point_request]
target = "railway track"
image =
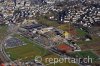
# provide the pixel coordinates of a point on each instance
(1, 61)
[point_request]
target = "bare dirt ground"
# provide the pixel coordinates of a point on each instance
(95, 47)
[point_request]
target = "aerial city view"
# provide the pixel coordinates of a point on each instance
(49, 32)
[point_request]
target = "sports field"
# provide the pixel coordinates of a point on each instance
(30, 51)
(26, 52)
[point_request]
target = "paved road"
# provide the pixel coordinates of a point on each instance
(4, 58)
(1, 58)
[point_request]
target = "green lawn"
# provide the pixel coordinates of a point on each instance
(93, 41)
(44, 21)
(3, 31)
(29, 51)
(58, 64)
(63, 64)
(86, 54)
(80, 32)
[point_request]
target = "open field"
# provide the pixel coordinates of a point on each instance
(86, 54)
(94, 46)
(3, 31)
(26, 52)
(93, 41)
(91, 45)
(57, 64)
(63, 64)
(42, 20)
(29, 51)
(80, 32)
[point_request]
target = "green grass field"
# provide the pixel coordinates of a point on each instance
(80, 32)
(64, 27)
(93, 41)
(86, 54)
(29, 51)
(42, 20)
(3, 31)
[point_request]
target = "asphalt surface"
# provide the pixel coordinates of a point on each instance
(3, 56)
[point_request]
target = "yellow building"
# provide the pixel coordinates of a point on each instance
(66, 34)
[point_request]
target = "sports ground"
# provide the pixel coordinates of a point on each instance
(31, 50)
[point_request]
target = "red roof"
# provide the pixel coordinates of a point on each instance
(65, 48)
(12, 65)
(2, 64)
